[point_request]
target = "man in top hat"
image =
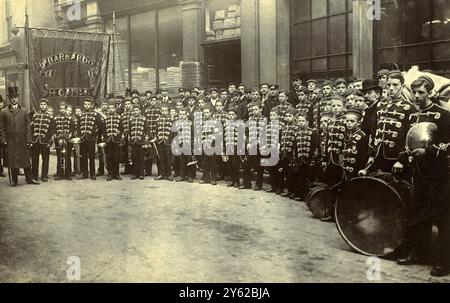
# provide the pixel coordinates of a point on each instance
(15, 132)
(430, 182)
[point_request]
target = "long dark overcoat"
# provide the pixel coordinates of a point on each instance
(15, 130)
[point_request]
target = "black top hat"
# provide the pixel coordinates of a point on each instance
(369, 84)
(13, 91)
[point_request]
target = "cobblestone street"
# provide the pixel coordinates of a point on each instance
(160, 231)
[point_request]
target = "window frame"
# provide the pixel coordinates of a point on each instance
(326, 74)
(403, 47)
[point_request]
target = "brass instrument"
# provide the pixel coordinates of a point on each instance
(76, 146)
(420, 135)
(63, 158)
(102, 146)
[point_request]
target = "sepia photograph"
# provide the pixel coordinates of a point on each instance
(224, 141)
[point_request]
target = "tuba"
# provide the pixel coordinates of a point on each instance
(76, 146)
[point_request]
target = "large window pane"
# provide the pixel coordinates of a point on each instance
(338, 62)
(337, 6)
(441, 51)
(301, 10)
(337, 34)
(143, 55)
(301, 36)
(319, 64)
(440, 27)
(319, 37)
(418, 53)
(415, 16)
(319, 8)
(302, 66)
(389, 28)
(121, 56)
(170, 40)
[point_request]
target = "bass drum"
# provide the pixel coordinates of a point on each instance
(371, 213)
(320, 200)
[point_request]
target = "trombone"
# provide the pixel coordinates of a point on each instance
(102, 146)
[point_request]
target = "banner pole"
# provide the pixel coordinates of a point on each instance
(114, 55)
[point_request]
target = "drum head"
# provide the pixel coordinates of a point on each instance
(320, 201)
(371, 216)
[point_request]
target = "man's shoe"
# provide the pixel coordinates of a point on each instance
(84, 177)
(408, 260)
(69, 178)
(109, 178)
(298, 199)
(292, 196)
(179, 179)
(169, 178)
(57, 178)
(285, 194)
(14, 184)
(213, 183)
(118, 178)
(278, 192)
(439, 270)
(34, 182)
(244, 187)
(159, 178)
(134, 178)
(2, 174)
(230, 184)
(204, 182)
(44, 179)
(93, 178)
(237, 185)
(272, 190)
(257, 188)
(190, 180)
(99, 174)
(141, 177)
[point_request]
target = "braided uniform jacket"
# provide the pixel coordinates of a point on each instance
(137, 130)
(152, 113)
(303, 108)
(273, 137)
(112, 128)
(434, 164)
(287, 145)
(43, 128)
(355, 153)
(185, 134)
(335, 139)
(323, 139)
(90, 126)
(220, 116)
(164, 129)
(231, 136)
(125, 118)
(257, 128)
(392, 126)
(307, 145)
(210, 127)
(65, 127)
(282, 109)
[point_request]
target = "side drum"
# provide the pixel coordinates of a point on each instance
(371, 213)
(320, 200)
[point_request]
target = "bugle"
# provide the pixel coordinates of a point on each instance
(76, 146)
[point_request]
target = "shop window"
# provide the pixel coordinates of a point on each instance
(322, 38)
(143, 52)
(149, 48)
(414, 32)
(170, 44)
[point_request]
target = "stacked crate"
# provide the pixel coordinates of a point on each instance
(226, 24)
